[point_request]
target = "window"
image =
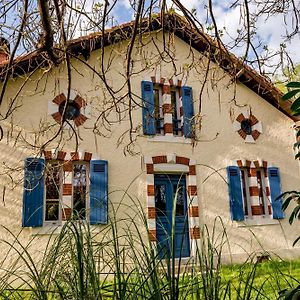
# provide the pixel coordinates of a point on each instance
(64, 199)
(167, 110)
(253, 192)
(56, 189)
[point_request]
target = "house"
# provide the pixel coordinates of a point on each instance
(198, 124)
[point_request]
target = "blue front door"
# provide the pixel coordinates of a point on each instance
(171, 201)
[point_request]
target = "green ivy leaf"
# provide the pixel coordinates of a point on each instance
(293, 84)
(296, 105)
(290, 94)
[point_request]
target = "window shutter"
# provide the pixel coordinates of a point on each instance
(148, 108)
(33, 197)
(98, 192)
(188, 111)
(235, 193)
(275, 191)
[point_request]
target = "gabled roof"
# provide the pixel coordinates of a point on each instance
(180, 26)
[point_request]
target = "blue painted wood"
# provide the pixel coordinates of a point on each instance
(235, 193)
(179, 246)
(188, 111)
(98, 192)
(275, 191)
(33, 196)
(148, 108)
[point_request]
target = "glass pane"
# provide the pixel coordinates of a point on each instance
(160, 199)
(52, 181)
(174, 104)
(179, 189)
(79, 191)
(52, 211)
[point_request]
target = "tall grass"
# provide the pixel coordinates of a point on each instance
(118, 261)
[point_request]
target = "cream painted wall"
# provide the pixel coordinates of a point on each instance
(217, 146)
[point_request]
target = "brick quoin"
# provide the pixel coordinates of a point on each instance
(256, 210)
(194, 211)
(192, 190)
(240, 118)
(150, 168)
(167, 108)
(152, 235)
(151, 212)
(150, 190)
(159, 159)
(79, 101)
(74, 156)
(59, 99)
(192, 170)
(87, 156)
(168, 128)
(67, 189)
(182, 160)
(166, 89)
(66, 213)
(195, 233)
(67, 166)
(61, 155)
(48, 155)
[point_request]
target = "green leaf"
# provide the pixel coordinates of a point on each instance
(296, 104)
(296, 113)
(290, 94)
(293, 84)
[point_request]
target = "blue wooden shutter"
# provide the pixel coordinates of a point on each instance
(148, 108)
(275, 191)
(33, 197)
(235, 193)
(98, 192)
(188, 111)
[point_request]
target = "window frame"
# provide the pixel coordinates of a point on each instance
(178, 116)
(244, 171)
(61, 195)
(157, 87)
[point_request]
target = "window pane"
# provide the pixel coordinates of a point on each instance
(179, 189)
(52, 181)
(79, 191)
(52, 211)
(160, 199)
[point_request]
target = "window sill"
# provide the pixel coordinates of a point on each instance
(261, 221)
(48, 229)
(169, 139)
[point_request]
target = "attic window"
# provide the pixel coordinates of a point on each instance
(246, 126)
(70, 110)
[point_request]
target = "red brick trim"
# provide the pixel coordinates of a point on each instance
(151, 212)
(182, 160)
(240, 118)
(66, 213)
(253, 190)
(150, 190)
(57, 117)
(61, 155)
(242, 133)
(48, 155)
(167, 108)
(152, 235)
(256, 210)
(194, 211)
(255, 134)
(161, 159)
(267, 191)
(192, 189)
(80, 101)
(67, 189)
(270, 209)
(80, 120)
(195, 233)
(74, 156)
(253, 120)
(87, 156)
(150, 168)
(168, 128)
(59, 99)
(192, 170)
(67, 166)
(252, 172)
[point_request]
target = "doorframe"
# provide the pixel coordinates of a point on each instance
(173, 164)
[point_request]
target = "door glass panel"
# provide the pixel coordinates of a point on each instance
(179, 191)
(160, 199)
